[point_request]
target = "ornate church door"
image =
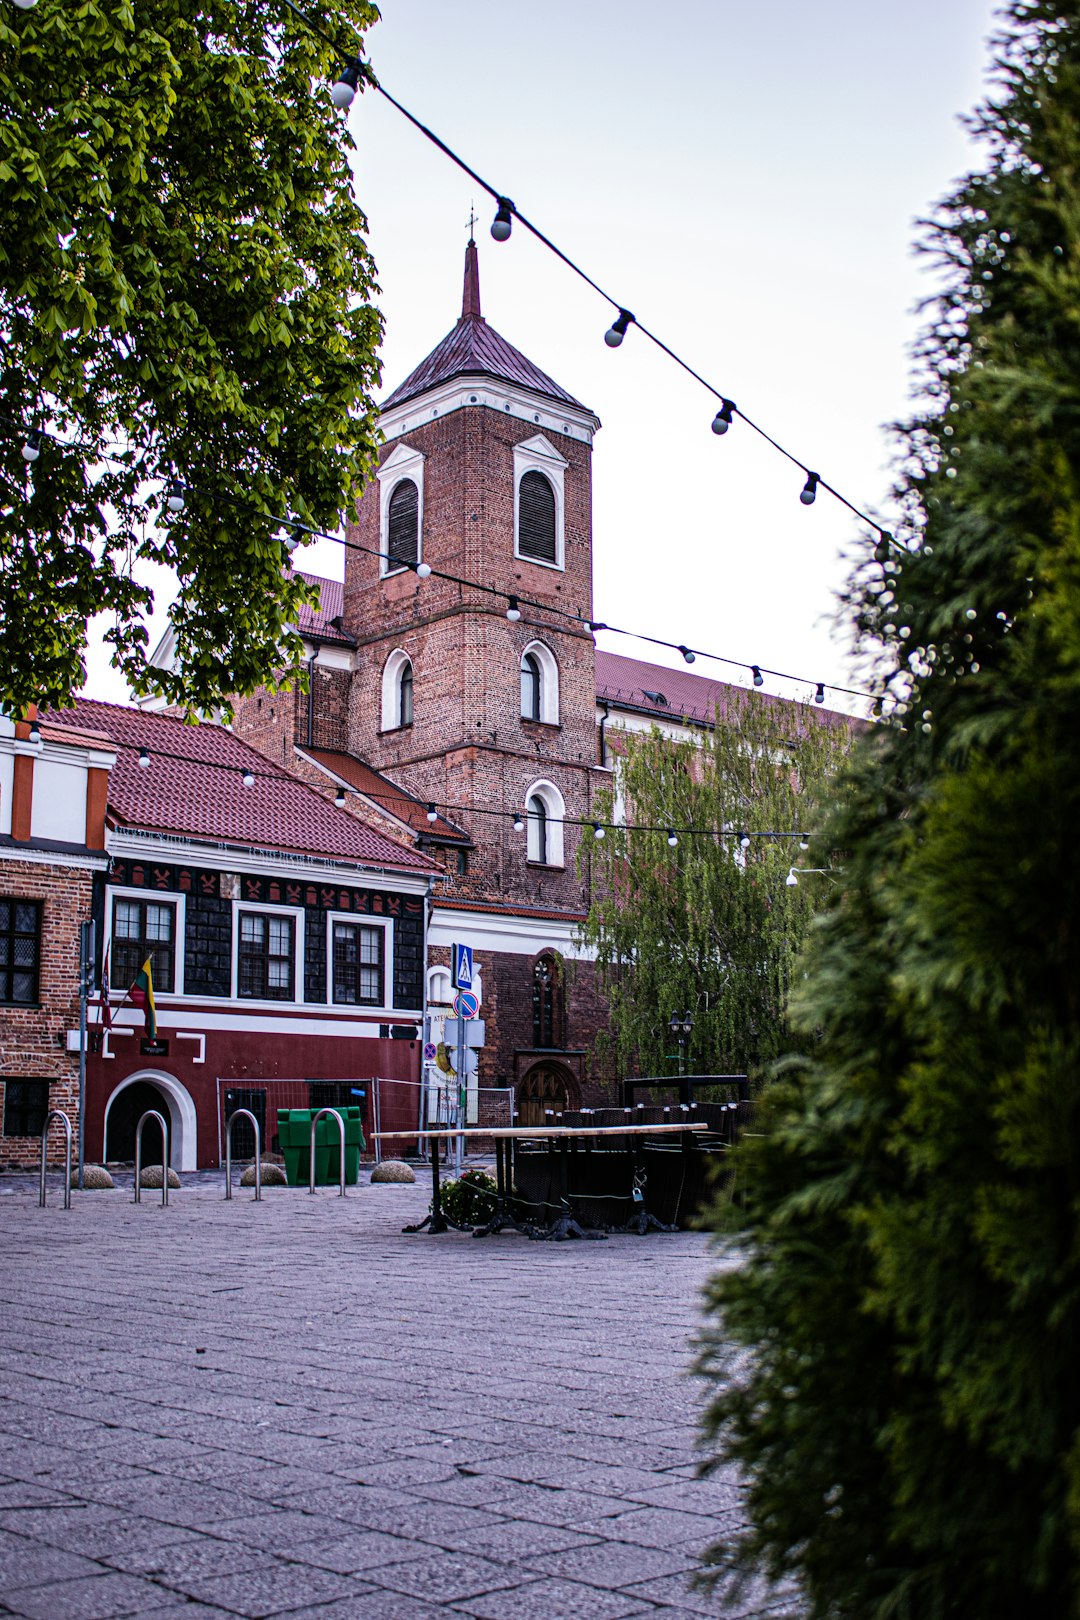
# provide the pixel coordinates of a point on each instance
(542, 1088)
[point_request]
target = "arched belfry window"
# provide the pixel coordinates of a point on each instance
(544, 812)
(547, 1002)
(397, 691)
(403, 526)
(539, 684)
(536, 518)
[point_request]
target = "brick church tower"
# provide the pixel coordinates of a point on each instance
(486, 476)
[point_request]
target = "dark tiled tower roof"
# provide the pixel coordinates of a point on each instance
(473, 348)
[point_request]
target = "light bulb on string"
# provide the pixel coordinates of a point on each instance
(618, 328)
(247, 777)
(343, 90)
(804, 843)
(513, 611)
(35, 734)
(671, 838)
(174, 495)
(722, 420)
(819, 695)
(519, 822)
(25, 5)
(597, 830)
(808, 494)
(339, 798)
(144, 759)
(791, 880)
(432, 813)
(502, 224)
(744, 840)
(423, 570)
(31, 449)
(759, 679)
(688, 654)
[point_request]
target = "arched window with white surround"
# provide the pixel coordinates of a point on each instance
(539, 500)
(539, 684)
(544, 813)
(401, 509)
(440, 992)
(397, 691)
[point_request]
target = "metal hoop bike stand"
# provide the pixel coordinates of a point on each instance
(152, 1113)
(341, 1133)
(233, 1117)
(56, 1113)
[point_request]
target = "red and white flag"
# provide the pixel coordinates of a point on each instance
(103, 992)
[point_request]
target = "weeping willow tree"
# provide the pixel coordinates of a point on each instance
(710, 923)
(908, 1419)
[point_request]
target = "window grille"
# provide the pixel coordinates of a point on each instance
(358, 965)
(20, 951)
(536, 518)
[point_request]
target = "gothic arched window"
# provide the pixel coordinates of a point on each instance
(403, 526)
(538, 830)
(547, 1003)
(397, 691)
(405, 686)
(544, 812)
(536, 518)
(531, 685)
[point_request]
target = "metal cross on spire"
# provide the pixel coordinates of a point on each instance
(472, 221)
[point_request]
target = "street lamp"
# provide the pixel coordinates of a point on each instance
(680, 1025)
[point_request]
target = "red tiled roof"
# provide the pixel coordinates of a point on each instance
(317, 621)
(625, 682)
(503, 909)
(193, 788)
(387, 795)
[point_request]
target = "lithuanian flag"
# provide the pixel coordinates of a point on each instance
(141, 995)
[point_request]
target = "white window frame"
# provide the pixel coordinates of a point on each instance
(361, 1008)
(162, 896)
(438, 979)
(549, 682)
(555, 806)
(403, 462)
(257, 909)
(391, 689)
(538, 454)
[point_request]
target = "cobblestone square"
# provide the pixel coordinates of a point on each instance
(292, 1408)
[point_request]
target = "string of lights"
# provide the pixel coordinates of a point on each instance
(174, 492)
(343, 92)
(434, 809)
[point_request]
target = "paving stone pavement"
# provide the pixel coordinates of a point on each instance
(290, 1408)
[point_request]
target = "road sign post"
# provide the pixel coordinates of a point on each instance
(462, 979)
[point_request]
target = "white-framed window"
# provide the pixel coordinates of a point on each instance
(141, 923)
(544, 813)
(401, 510)
(359, 957)
(397, 691)
(539, 502)
(268, 953)
(539, 684)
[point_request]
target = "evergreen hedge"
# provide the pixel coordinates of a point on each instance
(909, 1416)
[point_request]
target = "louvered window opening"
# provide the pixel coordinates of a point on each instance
(404, 526)
(536, 518)
(530, 686)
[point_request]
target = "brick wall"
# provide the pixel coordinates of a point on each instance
(31, 1037)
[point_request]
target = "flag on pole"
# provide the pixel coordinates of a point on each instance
(104, 1004)
(141, 995)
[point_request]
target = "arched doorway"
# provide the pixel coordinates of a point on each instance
(546, 1086)
(130, 1100)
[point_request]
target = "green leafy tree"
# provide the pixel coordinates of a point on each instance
(909, 1418)
(184, 293)
(708, 924)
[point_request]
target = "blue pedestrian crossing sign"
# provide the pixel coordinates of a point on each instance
(462, 974)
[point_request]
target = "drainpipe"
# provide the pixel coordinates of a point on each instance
(603, 740)
(311, 701)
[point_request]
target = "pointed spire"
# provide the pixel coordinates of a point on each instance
(470, 299)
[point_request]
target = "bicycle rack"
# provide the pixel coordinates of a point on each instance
(58, 1113)
(152, 1113)
(233, 1117)
(341, 1132)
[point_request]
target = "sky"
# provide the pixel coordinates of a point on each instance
(747, 179)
